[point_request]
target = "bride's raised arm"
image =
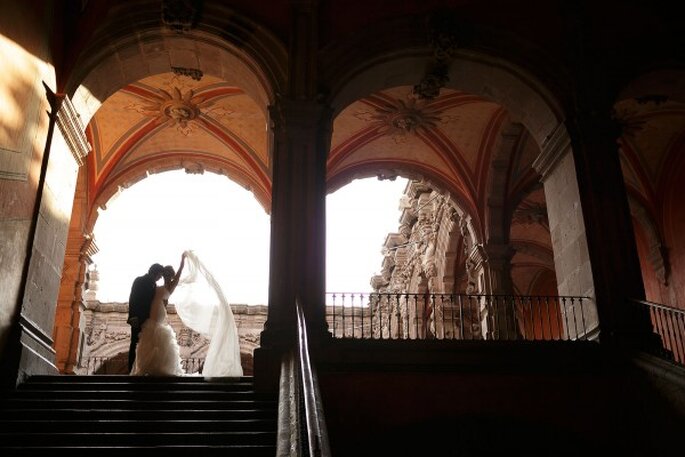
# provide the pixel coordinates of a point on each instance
(174, 281)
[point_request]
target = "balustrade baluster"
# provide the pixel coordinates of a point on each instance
(416, 313)
(568, 327)
(362, 309)
(461, 318)
(573, 315)
(582, 318)
(549, 318)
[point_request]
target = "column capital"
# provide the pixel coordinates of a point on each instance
(71, 127)
(499, 252)
(299, 115)
(556, 146)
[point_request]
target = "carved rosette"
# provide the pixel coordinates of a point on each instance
(402, 118)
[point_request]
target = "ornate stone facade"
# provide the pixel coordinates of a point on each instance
(434, 237)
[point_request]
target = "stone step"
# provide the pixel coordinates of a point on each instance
(137, 386)
(160, 423)
(127, 404)
(144, 395)
(101, 413)
(169, 416)
(156, 438)
(253, 450)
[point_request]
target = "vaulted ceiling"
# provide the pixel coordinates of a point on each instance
(170, 121)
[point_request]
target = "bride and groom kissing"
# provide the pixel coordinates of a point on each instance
(154, 349)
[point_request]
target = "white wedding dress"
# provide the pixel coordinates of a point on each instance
(157, 353)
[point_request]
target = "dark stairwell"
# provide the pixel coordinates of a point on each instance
(115, 415)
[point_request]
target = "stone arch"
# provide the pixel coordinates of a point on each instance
(223, 44)
(527, 100)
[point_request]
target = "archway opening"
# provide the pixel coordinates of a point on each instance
(157, 219)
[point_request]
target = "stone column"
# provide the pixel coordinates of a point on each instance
(301, 127)
(32, 344)
(595, 254)
(610, 238)
(67, 334)
(556, 166)
(301, 132)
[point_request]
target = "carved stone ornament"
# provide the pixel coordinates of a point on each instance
(71, 127)
(177, 109)
(193, 168)
(179, 15)
(406, 117)
(193, 73)
(443, 39)
(429, 86)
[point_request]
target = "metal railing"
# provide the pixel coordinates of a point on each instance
(312, 417)
(408, 316)
(669, 323)
(301, 423)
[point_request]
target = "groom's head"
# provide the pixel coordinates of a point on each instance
(156, 271)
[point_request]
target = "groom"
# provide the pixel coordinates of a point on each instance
(142, 293)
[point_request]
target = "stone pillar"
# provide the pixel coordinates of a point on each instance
(301, 132)
(33, 351)
(595, 254)
(592, 233)
(67, 333)
(79, 247)
(298, 220)
(556, 166)
(610, 238)
(301, 135)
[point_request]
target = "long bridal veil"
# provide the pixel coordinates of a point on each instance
(202, 306)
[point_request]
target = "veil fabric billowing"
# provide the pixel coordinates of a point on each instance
(203, 307)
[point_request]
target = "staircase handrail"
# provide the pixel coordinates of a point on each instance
(317, 435)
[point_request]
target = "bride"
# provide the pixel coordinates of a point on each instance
(202, 306)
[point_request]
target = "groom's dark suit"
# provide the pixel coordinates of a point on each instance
(142, 293)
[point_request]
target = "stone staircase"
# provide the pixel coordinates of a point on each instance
(103, 415)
